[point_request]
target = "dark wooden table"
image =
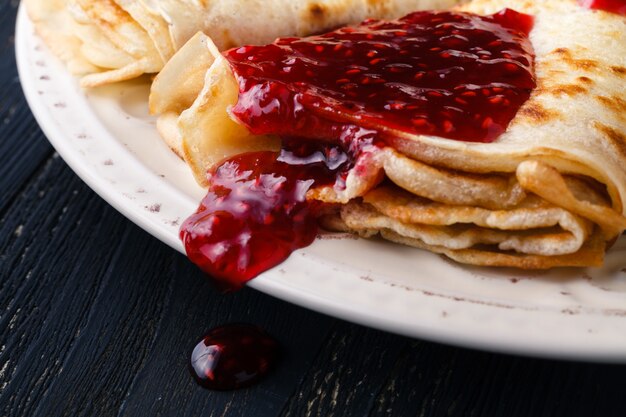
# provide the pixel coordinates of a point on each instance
(97, 318)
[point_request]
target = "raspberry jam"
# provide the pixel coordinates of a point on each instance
(256, 214)
(336, 96)
(233, 356)
(453, 75)
(613, 6)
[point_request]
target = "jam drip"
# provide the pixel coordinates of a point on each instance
(256, 213)
(454, 75)
(613, 6)
(233, 356)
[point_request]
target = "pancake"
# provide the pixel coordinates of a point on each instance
(549, 191)
(107, 41)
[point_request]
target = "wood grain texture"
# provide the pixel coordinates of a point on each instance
(97, 318)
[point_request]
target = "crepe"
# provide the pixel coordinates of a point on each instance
(549, 192)
(107, 41)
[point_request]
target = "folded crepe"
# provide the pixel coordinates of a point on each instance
(549, 191)
(107, 41)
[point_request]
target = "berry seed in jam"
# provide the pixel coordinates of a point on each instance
(454, 75)
(233, 356)
(613, 6)
(336, 96)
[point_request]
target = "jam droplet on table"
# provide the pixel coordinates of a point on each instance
(233, 356)
(613, 6)
(454, 75)
(336, 96)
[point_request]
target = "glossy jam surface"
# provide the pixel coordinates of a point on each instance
(613, 6)
(256, 214)
(233, 356)
(454, 75)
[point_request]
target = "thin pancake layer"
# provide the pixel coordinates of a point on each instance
(56, 26)
(113, 40)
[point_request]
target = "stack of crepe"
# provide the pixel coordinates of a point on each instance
(551, 191)
(107, 41)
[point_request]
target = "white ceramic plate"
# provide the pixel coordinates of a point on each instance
(110, 141)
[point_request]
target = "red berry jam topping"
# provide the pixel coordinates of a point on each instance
(613, 6)
(256, 213)
(454, 75)
(233, 356)
(335, 97)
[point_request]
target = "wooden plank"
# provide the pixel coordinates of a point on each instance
(427, 379)
(347, 374)
(23, 147)
(432, 380)
(46, 295)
